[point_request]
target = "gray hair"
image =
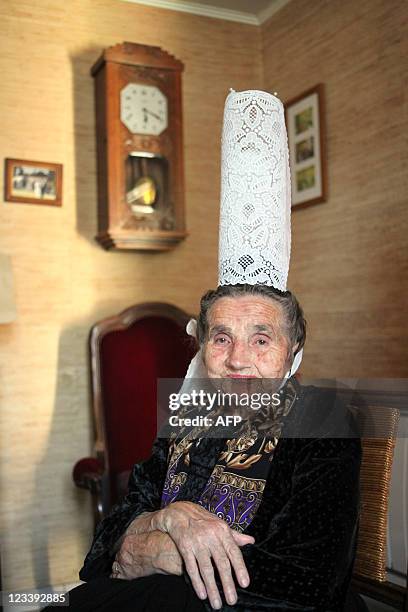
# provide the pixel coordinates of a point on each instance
(295, 323)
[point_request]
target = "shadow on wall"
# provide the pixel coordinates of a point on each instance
(85, 142)
(61, 516)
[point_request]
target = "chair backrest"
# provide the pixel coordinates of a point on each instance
(375, 479)
(129, 352)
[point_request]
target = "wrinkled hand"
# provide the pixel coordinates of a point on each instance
(146, 553)
(203, 539)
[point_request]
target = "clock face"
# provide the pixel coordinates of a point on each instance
(143, 109)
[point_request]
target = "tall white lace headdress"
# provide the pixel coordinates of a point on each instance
(254, 235)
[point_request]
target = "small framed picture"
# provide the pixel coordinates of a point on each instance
(32, 182)
(306, 135)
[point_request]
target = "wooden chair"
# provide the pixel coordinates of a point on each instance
(129, 352)
(378, 426)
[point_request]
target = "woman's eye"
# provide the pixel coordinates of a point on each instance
(220, 340)
(261, 341)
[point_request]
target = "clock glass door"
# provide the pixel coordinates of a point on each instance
(147, 190)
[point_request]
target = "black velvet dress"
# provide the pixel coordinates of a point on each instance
(305, 528)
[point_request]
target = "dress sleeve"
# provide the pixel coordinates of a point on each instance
(309, 546)
(144, 495)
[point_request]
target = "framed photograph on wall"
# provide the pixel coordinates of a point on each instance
(32, 182)
(306, 135)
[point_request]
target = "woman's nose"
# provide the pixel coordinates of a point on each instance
(238, 357)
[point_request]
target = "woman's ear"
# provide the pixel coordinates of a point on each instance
(296, 362)
(191, 328)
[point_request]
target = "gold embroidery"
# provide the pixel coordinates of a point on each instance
(178, 479)
(270, 445)
(242, 461)
(234, 480)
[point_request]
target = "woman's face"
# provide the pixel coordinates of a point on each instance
(246, 339)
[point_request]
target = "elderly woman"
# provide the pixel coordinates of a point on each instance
(262, 521)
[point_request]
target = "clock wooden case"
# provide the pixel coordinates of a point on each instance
(139, 148)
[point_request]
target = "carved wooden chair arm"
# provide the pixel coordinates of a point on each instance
(87, 474)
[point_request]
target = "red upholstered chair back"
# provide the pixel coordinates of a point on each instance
(129, 353)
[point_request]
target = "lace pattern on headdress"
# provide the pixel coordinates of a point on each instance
(254, 237)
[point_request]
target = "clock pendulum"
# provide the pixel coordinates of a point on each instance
(143, 195)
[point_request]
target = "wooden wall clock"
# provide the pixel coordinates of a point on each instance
(139, 148)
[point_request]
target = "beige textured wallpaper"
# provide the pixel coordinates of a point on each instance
(349, 258)
(350, 254)
(64, 281)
